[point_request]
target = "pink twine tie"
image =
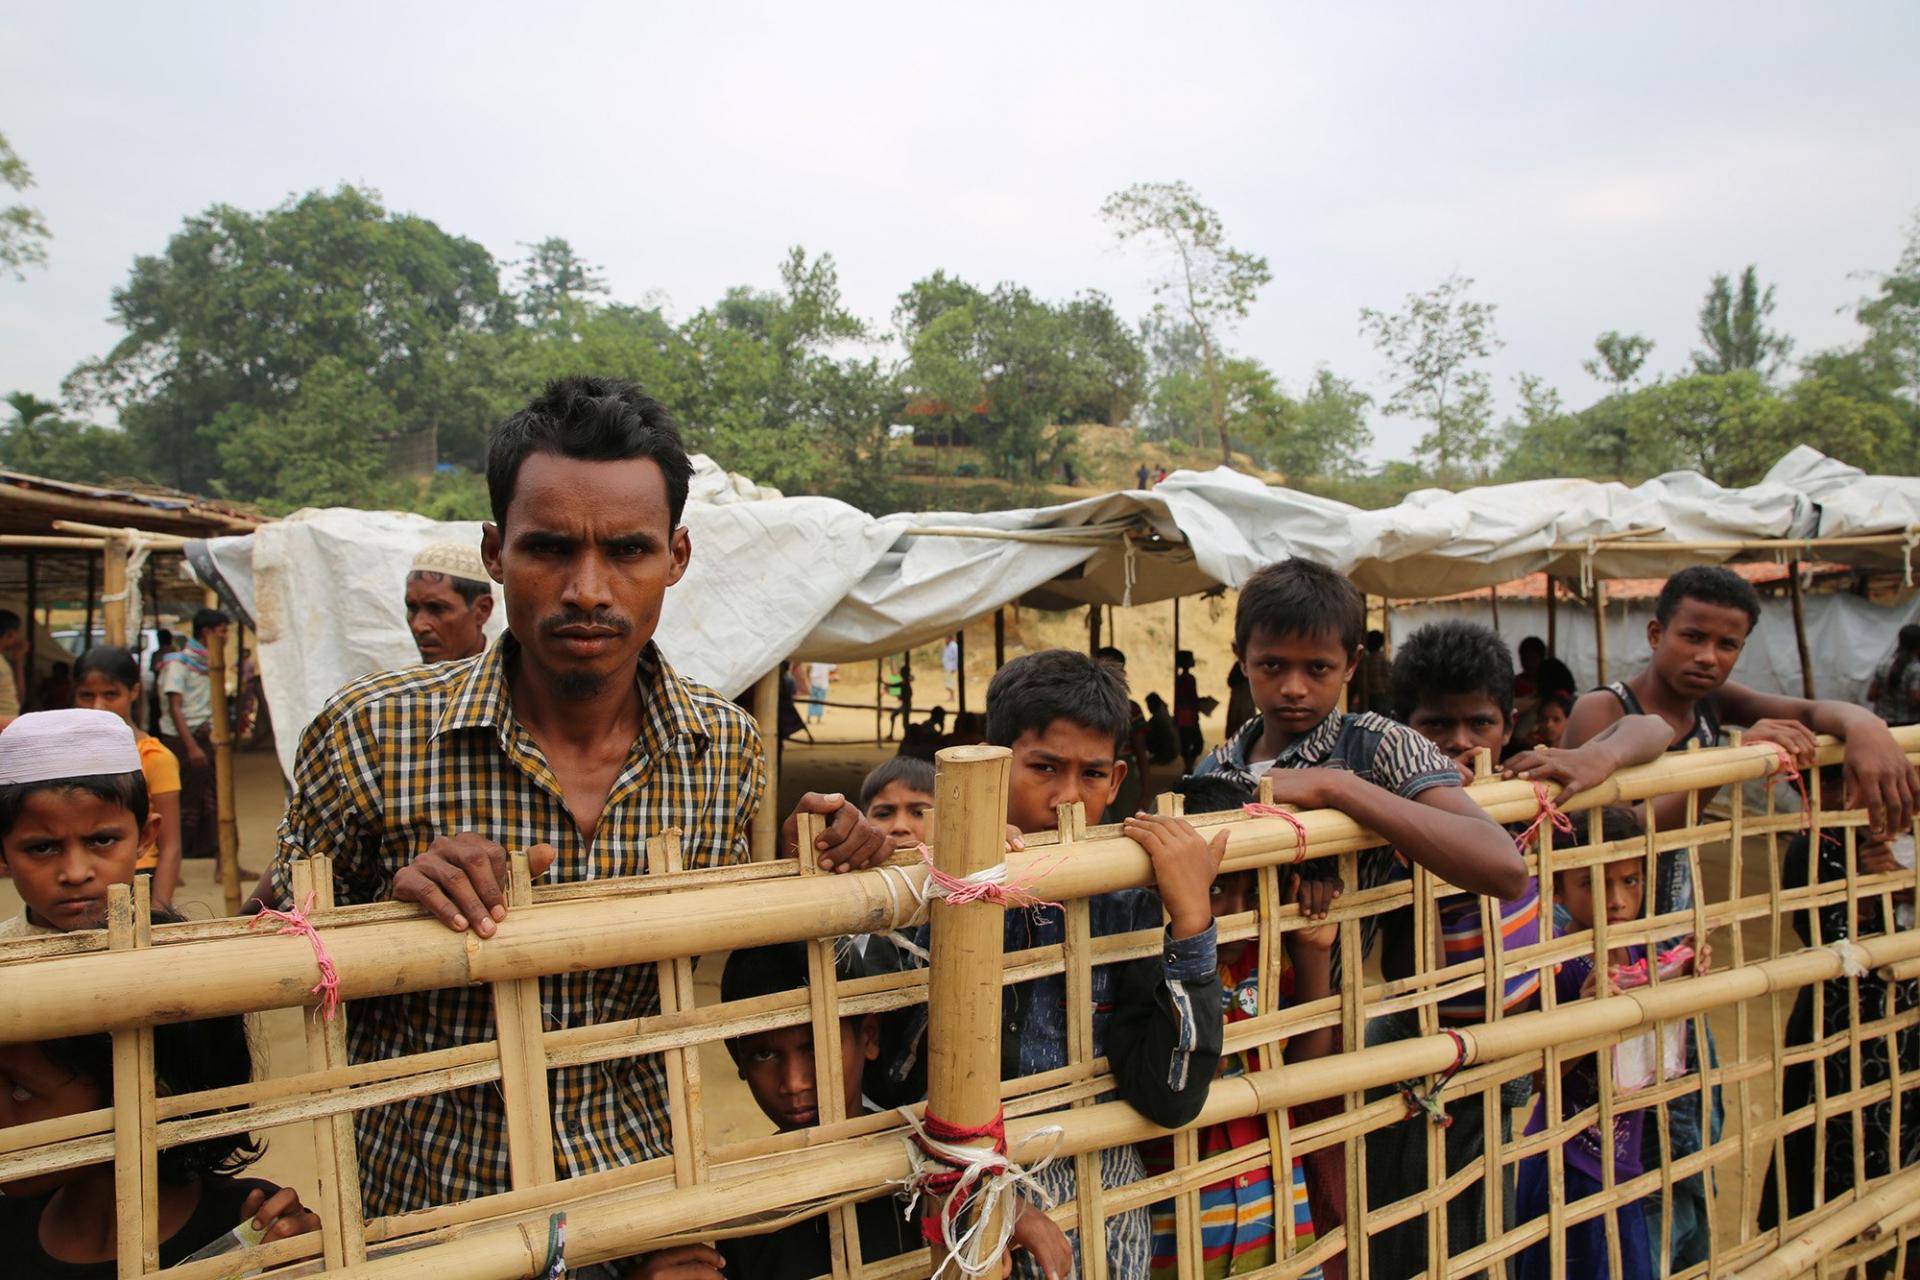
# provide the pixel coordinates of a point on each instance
(1258, 810)
(294, 921)
(1549, 813)
(1791, 773)
(991, 885)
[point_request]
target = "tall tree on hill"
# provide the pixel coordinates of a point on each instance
(224, 326)
(1432, 344)
(555, 282)
(1733, 328)
(1211, 284)
(23, 232)
(1617, 361)
(42, 442)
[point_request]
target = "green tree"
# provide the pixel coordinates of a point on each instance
(224, 326)
(23, 232)
(1212, 285)
(555, 283)
(1617, 361)
(1433, 344)
(1107, 365)
(41, 442)
(1733, 329)
(325, 446)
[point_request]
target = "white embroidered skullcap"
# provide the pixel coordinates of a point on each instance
(76, 743)
(455, 559)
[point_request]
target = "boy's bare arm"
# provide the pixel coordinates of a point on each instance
(1879, 777)
(1310, 952)
(1592, 713)
(1629, 740)
(1442, 829)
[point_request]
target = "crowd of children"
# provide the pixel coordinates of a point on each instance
(87, 803)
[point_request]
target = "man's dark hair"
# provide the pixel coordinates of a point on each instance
(1300, 598)
(1445, 658)
(128, 790)
(188, 1057)
(1214, 793)
(780, 966)
(593, 419)
(164, 637)
(466, 588)
(1709, 584)
(205, 620)
(9, 622)
(1034, 690)
(1107, 653)
(1616, 823)
(917, 774)
(1376, 640)
(1533, 644)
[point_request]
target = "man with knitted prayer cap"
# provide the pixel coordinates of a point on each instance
(449, 599)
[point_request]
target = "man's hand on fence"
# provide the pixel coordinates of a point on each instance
(279, 1215)
(1874, 855)
(1315, 897)
(685, 1262)
(1042, 1237)
(459, 878)
(1880, 779)
(848, 843)
(1184, 866)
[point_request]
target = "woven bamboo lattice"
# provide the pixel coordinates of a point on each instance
(113, 980)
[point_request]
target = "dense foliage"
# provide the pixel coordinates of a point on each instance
(332, 351)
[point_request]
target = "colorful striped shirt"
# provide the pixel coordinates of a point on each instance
(1236, 1214)
(1463, 940)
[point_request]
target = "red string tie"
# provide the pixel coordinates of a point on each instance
(991, 885)
(1550, 813)
(294, 921)
(1790, 772)
(953, 1175)
(1428, 1103)
(1258, 810)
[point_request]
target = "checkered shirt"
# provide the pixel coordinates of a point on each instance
(401, 757)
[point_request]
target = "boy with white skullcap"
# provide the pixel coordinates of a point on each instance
(73, 816)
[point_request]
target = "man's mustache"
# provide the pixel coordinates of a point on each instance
(599, 620)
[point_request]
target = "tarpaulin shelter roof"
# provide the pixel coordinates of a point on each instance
(812, 578)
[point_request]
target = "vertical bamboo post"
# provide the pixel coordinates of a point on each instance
(221, 729)
(766, 819)
(960, 675)
(1093, 628)
(1493, 603)
(26, 689)
(963, 996)
(113, 595)
(879, 700)
(1798, 595)
(1553, 617)
(1000, 637)
(93, 587)
(1077, 954)
(829, 1079)
(675, 983)
(1599, 631)
(523, 1060)
(343, 1232)
(135, 1108)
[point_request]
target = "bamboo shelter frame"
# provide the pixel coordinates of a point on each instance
(94, 981)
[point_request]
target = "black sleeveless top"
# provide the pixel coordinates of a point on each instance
(1706, 725)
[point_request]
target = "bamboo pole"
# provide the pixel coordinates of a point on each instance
(1093, 628)
(1553, 617)
(93, 579)
(1000, 637)
(963, 997)
(1890, 1206)
(113, 597)
(879, 700)
(27, 689)
(1493, 605)
(72, 994)
(960, 675)
(221, 733)
(766, 819)
(1600, 630)
(1798, 595)
(343, 1236)
(135, 1152)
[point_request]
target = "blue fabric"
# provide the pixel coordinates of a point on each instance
(1586, 1241)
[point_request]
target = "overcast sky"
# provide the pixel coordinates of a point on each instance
(1590, 170)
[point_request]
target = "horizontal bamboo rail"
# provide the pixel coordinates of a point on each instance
(76, 984)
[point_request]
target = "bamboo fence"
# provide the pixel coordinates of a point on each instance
(130, 977)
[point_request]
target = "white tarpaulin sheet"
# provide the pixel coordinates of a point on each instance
(814, 578)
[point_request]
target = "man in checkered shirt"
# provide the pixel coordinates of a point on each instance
(571, 738)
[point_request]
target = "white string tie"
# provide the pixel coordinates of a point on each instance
(983, 1177)
(1851, 963)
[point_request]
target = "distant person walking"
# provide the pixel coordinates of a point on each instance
(950, 661)
(186, 699)
(1186, 708)
(1895, 690)
(902, 688)
(1142, 475)
(819, 679)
